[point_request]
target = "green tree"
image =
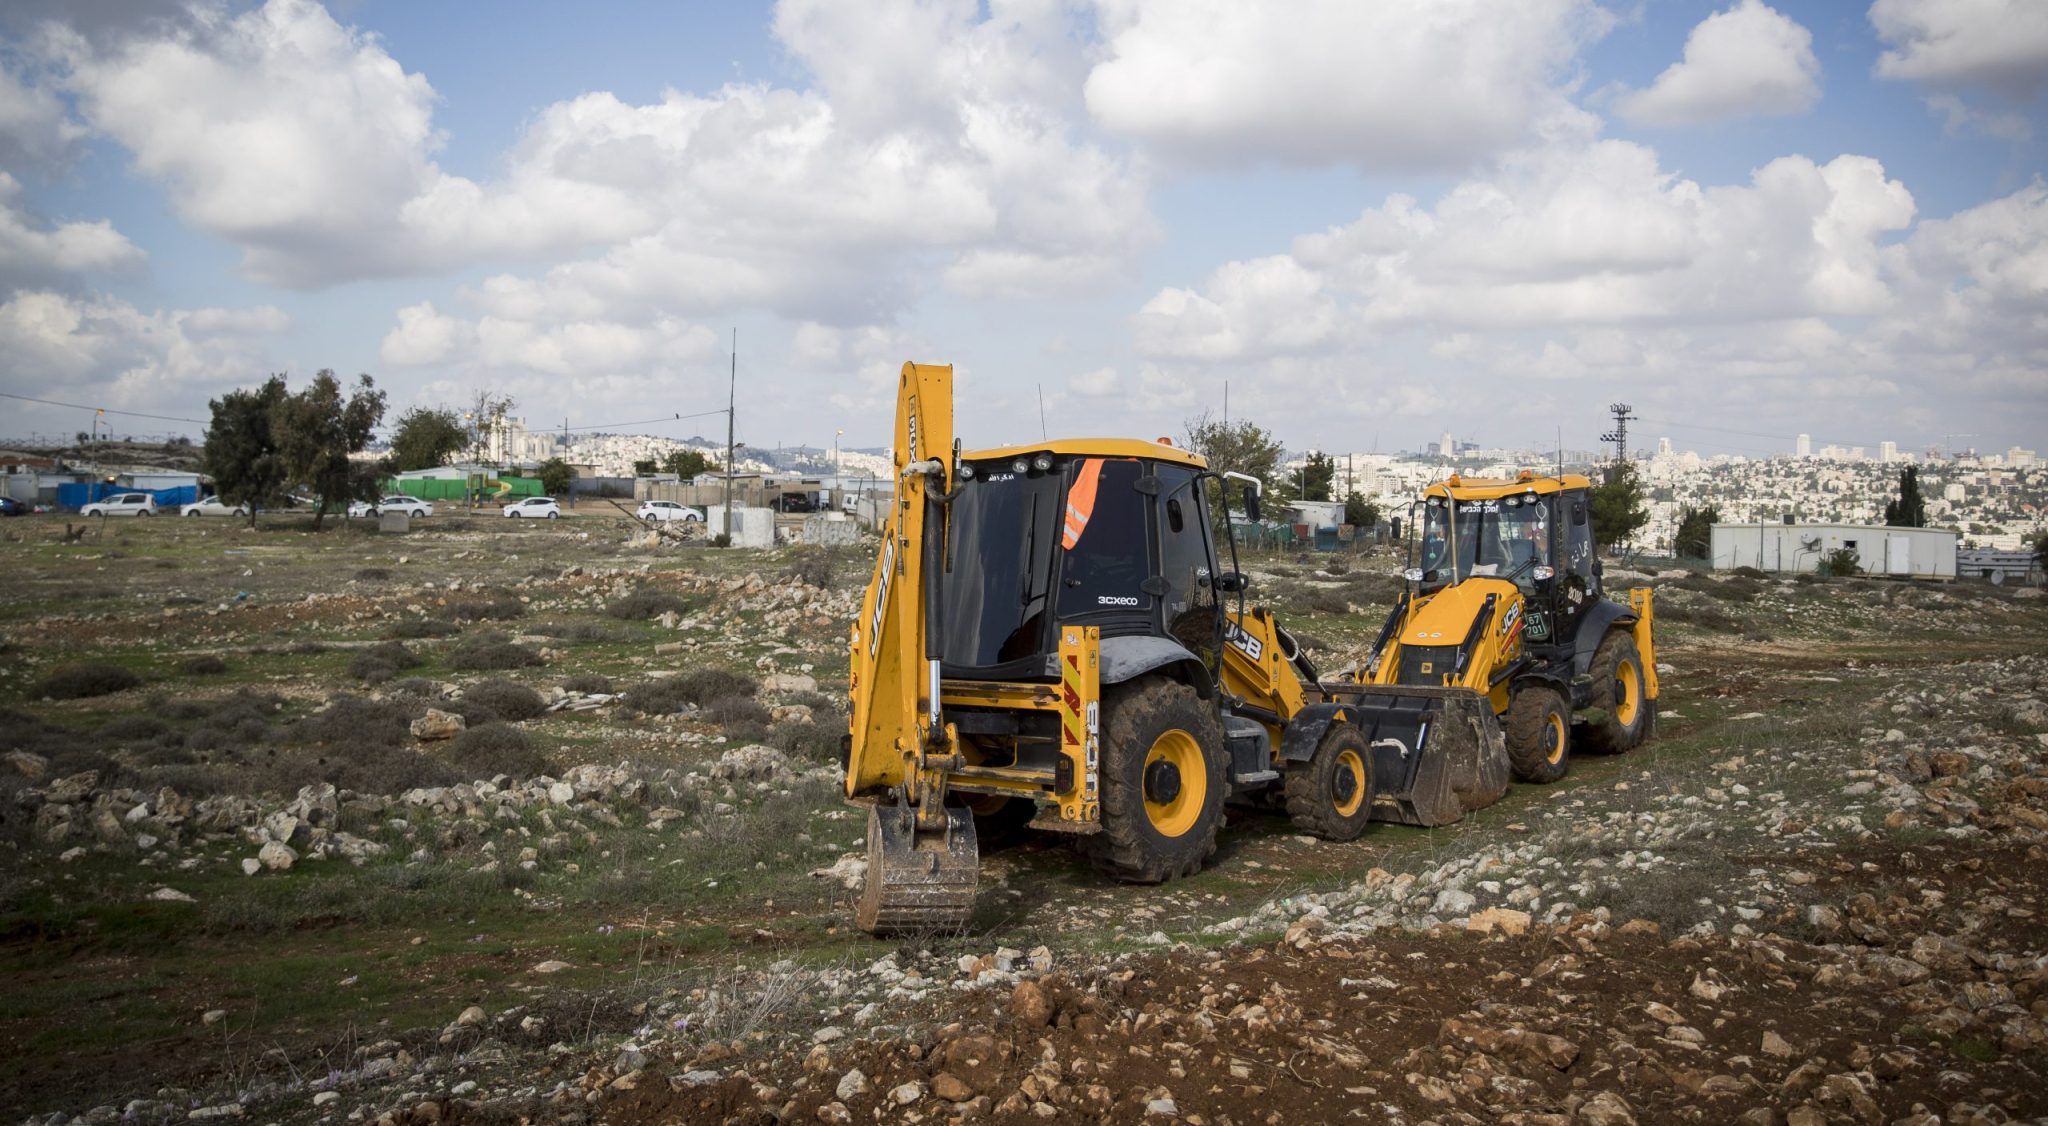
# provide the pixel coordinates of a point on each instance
(1909, 510)
(1360, 512)
(1236, 447)
(484, 418)
(240, 455)
(2041, 551)
(645, 467)
(1318, 476)
(1618, 508)
(316, 431)
(686, 463)
(425, 438)
(1695, 538)
(555, 475)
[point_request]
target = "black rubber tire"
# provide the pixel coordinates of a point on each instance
(552, 515)
(1538, 729)
(1330, 795)
(1135, 717)
(1608, 735)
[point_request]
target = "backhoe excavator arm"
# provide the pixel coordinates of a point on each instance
(896, 728)
(922, 859)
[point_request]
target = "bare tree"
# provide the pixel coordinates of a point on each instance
(484, 419)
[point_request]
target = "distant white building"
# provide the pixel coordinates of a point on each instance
(1920, 553)
(1804, 447)
(1887, 451)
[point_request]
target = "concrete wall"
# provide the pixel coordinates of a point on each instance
(1921, 553)
(752, 527)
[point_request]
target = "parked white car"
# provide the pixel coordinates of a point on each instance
(398, 502)
(534, 508)
(122, 504)
(665, 510)
(212, 506)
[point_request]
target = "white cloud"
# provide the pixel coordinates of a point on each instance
(30, 253)
(305, 143)
(1748, 61)
(1096, 384)
(105, 351)
(1960, 117)
(35, 128)
(1997, 44)
(1809, 284)
(1426, 86)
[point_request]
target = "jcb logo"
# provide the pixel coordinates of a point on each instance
(1243, 642)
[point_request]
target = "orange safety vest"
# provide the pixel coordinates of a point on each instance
(1081, 501)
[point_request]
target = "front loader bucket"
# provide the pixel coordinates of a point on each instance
(1437, 753)
(918, 881)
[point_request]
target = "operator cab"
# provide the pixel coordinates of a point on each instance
(1111, 533)
(1535, 532)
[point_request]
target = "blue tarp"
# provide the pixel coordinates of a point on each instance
(72, 497)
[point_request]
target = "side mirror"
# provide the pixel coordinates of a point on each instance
(1251, 505)
(1231, 582)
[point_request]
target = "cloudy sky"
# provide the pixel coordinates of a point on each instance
(1374, 221)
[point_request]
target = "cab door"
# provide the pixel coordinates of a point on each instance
(1576, 585)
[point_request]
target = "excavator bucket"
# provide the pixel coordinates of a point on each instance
(918, 882)
(1437, 753)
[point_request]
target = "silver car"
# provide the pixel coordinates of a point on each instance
(534, 508)
(212, 506)
(122, 504)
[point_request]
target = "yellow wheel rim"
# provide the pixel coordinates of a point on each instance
(1626, 693)
(1555, 729)
(986, 804)
(1179, 810)
(1349, 764)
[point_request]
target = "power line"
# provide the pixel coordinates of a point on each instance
(102, 410)
(643, 421)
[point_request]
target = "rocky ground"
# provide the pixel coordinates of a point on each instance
(604, 876)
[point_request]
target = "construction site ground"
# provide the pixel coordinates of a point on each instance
(1815, 897)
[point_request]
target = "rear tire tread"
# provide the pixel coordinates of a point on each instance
(1134, 716)
(1528, 716)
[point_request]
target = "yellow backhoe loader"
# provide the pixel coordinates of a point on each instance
(1047, 640)
(1504, 600)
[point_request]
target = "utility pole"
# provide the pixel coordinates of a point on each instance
(1619, 435)
(731, 398)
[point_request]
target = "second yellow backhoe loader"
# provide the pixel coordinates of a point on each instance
(1048, 639)
(1505, 600)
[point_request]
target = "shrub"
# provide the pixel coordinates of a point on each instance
(814, 565)
(79, 682)
(729, 711)
(238, 721)
(577, 631)
(588, 684)
(508, 698)
(352, 720)
(204, 665)
(698, 686)
(491, 652)
(1841, 563)
(1329, 602)
(473, 713)
(1748, 572)
(131, 729)
(372, 574)
(418, 686)
(485, 752)
(812, 742)
(412, 629)
(645, 603)
(497, 607)
(381, 662)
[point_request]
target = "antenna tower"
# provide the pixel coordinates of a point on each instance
(1619, 435)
